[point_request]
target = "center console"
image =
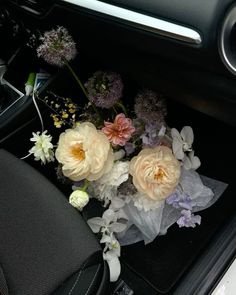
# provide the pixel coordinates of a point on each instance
(16, 108)
(13, 102)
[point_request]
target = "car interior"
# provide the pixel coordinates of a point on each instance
(183, 49)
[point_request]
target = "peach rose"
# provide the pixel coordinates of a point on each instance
(155, 172)
(84, 152)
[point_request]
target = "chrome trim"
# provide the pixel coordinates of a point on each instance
(227, 55)
(30, 9)
(20, 96)
(159, 26)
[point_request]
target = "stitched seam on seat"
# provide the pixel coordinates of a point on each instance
(77, 278)
(3, 282)
(93, 280)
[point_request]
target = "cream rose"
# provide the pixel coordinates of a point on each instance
(84, 152)
(155, 172)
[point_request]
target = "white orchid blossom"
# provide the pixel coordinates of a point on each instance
(111, 254)
(113, 263)
(191, 161)
(111, 243)
(182, 142)
(108, 225)
(117, 204)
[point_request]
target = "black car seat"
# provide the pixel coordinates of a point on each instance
(46, 247)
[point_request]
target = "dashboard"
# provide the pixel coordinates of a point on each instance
(188, 44)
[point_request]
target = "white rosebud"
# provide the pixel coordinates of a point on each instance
(79, 199)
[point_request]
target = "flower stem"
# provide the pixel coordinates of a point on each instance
(115, 110)
(76, 78)
(120, 104)
(81, 86)
(85, 186)
(52, 109)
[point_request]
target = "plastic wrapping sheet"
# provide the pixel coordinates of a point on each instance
(146, 226)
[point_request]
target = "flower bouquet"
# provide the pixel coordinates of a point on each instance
(142, 171)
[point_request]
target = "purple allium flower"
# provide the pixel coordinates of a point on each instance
(104, 89)
(178, 200)
(188, 219)
(149, 107)
(57, 47)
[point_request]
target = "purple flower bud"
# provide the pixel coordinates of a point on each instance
(173, 200)
(178, 200)
(188, 219)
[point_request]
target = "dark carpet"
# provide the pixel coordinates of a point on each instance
(163, 262)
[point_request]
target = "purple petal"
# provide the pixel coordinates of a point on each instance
(188, 219)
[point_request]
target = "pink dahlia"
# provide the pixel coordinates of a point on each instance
(120, 131)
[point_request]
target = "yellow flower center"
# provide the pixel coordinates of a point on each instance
(78, 152)
(159, 174)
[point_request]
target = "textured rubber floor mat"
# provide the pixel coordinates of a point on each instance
(165, 260)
